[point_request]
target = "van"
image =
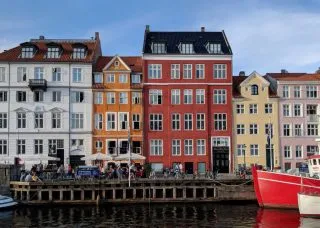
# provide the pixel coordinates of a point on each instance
(88, 171)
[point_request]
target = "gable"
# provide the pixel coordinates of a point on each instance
(116, 64)
(255, 78)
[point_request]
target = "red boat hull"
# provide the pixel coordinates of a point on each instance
(280, 190)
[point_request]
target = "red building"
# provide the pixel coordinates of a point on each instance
(188, 100)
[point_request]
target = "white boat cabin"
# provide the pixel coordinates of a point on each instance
(314, 165)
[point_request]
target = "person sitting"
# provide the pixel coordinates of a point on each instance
(28, 177)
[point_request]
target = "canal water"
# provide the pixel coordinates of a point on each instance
(154, 215)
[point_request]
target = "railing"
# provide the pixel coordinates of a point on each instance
(38, 84)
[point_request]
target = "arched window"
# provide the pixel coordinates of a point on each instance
(254, 90)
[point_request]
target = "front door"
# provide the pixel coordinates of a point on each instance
(189, 167)
(60, 154)
(220, 156)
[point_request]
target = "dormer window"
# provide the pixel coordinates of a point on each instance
(186, 48)
(214, 48)
(53, 53)
(79, 51)
(254, 90)
(27, 52)
(158, 48)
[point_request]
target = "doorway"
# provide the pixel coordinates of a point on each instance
(188, 167)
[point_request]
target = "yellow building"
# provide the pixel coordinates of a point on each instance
(255, 108)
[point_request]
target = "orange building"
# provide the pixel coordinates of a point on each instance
(117, 105)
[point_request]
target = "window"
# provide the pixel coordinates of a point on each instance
(220, 141)
(77, 97)
(175, 96)
(53, 53)
(214, 48)
(188, 147)
(54, 145)
(220, 122)
(136, 97)
(135, 78)
(240, 129)
(76, 75)
(312, 129)
(155, 96)
(287, 151)
(123, 121)
(38, 73)
(186, 48)
(123, 98)
(200, 71)
(312, 92)
(38, 96)
(188, 121)
(98, 121)
(21, 74)
(241, 149)
(201, 146)
(156, 147)
(21, 96)
(98, 144)
(253, 109)
(154, 71)
(56, 74)
(240, 108)
(27, 52)
(254, 90)
(3, 146)
(2, 74)
(21, 146)
(98, 97)
(220, 71)
(298, 130)
(267, 127)
(155, 122)
(77, 120)
(175, 71)
(286, 130)
(200, 98)
(98, 78)
(175, 121)
(56, 96)
(111, 121)
(286, 110)
(79, 53)
(267, 108)
(187, 71)
(21, 119)
(38, 120)
(158, 48)
(111, 98)
(253, 129)
(38, 146)
(220, 96)
(3, 96)
(136, 121)
(110, 78)
(56, 120)
(176, 147)
(200, 118)
(285, 91)
(297, 91)
(297, 110)
(254, 150)
(123, 78)
(187, 96)
(3, 120)
(312, 150)
(298, 151)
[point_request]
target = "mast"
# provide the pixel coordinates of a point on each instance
(129, 150)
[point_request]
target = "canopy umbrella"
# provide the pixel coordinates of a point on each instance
(133, 156)
(97, 157)
(39, 157)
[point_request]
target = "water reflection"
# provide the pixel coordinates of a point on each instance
(160, 215)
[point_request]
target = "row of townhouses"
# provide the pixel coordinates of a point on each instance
(177, 103)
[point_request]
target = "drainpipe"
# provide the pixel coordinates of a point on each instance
(8, 98)
(69, 112)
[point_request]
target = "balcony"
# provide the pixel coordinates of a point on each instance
(38, 84)
(313, 118)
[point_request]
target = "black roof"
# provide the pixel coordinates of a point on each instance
(199, 40)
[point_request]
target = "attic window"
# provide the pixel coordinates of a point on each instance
(158, 48)
(27, 52)
(79, 51)
(186, 48)
(53, 53)
(254, 90)
(214, 48)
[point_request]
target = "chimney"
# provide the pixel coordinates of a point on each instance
(284, 71)
(203, 29)
(41, 37)
(147, 28)
(96, 36)
(318, 71)
(242, 73)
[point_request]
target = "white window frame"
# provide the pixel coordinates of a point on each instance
(188, 122)
(176, 121)
(123, 78)
(176, 147)
(286, 132)
(201, 147)
(123, 98)
(156, 122)
(3, 120)
(188, 147)
(3, 146)
(200, 96)
(200, 71)
(98, 121)
(155, 97)
(175, 96)
(56, 74)
(253, 129)
(136, 97)
(241, 129)
(220, 96)
(21, 74)
(77, 120)
(268, 108)
(220, 121)
(295, 106)
(240, 108)
(98, 78)
(56, 96)
(220, 71)
(76, 75)
(112, 121)
(156, 147)
(155, 71)
(123, 117)
(21, 120)
(287, 152)
(175, 71)
(286, 110)
(241, 150)
(253, 108)
(254, 150)
(187, 71)
(56, 120)
(311, 91)
(111, 97)
(111, 78)
(297, 92)
(188, 96)
(201, 121)
(299, 149)
(298, 130)
(38, 73)
(98, 97)
(38, 146)
(285, 91)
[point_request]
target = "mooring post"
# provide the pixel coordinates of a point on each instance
(174, 192)
(50, 194)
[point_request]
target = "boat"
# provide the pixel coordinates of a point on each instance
(280, 190)
(309, 205)
(6, 202)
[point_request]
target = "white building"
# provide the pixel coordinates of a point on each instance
(46, 100)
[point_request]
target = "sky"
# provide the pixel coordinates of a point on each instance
(265, 36)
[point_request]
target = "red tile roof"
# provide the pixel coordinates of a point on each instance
(13, 55)
(295, 76)
(134, 62)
